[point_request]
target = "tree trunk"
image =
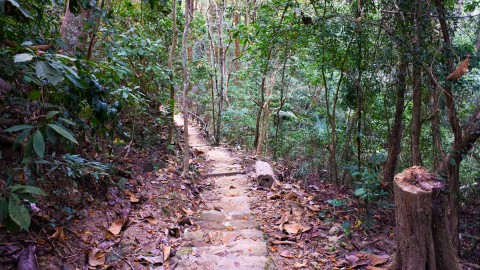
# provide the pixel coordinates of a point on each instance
(395, 136)
(262, 84)
(266, 113)
(423, 236)
(417, 84)
(186, 84)
(222, 63)
(171, 57)
(451, 164)
(264, 173)
(436, 136)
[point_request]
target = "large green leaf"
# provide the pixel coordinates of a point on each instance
(18, 128)
(45, 71)
(51, 114)
(27, 189)
(78, 82)
(39, 144)
(60, 130)
(18, 213)
(22, 57)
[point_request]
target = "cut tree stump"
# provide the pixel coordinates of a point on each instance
(265, 174)
(423, 238)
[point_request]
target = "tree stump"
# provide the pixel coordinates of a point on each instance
(423, 238)
(265, 174)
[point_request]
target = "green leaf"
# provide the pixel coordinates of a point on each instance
(27, 189)
(18, 213)
(360, 191)
(45, 71)
(35, 95)
(66, 121)
(78, 82)
(39, 144)
(22, 57)
(60, 130)
(51, 114)
(18, 128)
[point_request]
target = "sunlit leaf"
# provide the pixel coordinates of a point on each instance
(22, 57)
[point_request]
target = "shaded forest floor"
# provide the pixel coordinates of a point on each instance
(140, 221)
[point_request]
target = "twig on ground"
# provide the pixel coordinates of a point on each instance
(122, 258)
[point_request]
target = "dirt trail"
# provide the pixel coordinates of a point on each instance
(227, 236)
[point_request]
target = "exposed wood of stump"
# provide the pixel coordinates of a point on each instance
(265, 174)
(423, 238)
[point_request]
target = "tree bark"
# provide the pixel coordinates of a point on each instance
(265, 174)
(186, 84)
(423, 237)
(262, 84)
(395, 136)
(222, 58)
(171, 57)
(451, 164)
(417, 84)
(266, 113)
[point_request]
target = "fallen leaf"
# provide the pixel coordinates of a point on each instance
(374, 268)
(152, 220)
(314, 208)
(151, 259)
(59, 235)
(134, 199)
(229, 239)
(188, 211)
(377, 259)
(300, 265)
(286, 254)
(292, 228)
(166, 250)
(96, 257)
(116, 226)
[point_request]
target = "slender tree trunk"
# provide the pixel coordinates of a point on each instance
(93, 37)
(436, 136)
(262, 84)
(395, 136)
(417, 84)
(171, 57)
(186, 85)
(214, 63)
(222, 59)
(451, 164)
(262, 101)
(266, 113)
(359, 86)
(282, 102)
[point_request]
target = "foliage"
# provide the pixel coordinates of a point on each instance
(15, 204)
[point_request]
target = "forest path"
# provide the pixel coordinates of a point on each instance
(226, 235)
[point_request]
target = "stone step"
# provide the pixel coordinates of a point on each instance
(226, 262)
(228, 225)
(231, 203)
(247, 247)
(205, 238)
